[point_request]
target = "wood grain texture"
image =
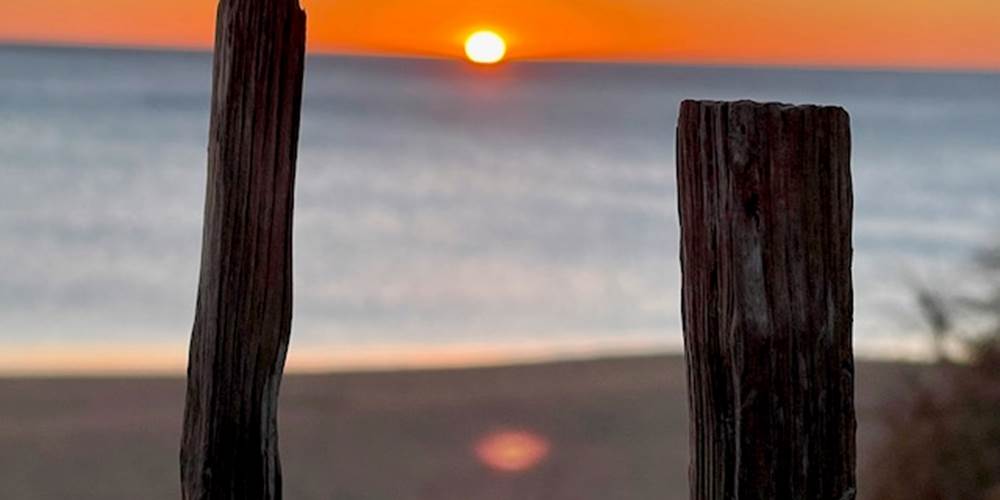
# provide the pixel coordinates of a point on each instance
(765, 208)
(229, 448)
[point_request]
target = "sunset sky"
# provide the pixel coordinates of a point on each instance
(893, 33)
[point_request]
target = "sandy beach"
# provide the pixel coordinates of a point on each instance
(611, 429)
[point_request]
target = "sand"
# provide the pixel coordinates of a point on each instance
(616, 429)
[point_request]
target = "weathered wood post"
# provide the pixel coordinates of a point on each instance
(765, 209)
(229, 449)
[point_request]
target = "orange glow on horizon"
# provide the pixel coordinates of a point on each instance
(512, 451)
(894, 33)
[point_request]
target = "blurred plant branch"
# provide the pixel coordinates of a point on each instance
(943, 442)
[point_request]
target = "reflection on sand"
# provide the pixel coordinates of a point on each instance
(512, 450)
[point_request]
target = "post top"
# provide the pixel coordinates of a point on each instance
(690, 105)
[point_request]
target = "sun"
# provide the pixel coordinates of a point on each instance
(485, 47)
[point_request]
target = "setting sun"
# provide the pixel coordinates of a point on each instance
(485, 47)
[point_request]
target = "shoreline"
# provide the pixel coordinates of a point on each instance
(170, 360)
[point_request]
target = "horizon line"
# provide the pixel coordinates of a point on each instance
(624, 60)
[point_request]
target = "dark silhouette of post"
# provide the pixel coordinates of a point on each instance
(229, 449)
(765, 210)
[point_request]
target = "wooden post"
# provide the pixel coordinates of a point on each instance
(229, 449)
(765, 210)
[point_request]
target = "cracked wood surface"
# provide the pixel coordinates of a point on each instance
(229, 448)
(765, 207)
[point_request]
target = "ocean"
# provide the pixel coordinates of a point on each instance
(447, 213)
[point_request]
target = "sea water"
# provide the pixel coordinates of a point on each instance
(441, 207)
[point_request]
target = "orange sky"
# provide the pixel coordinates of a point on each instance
(894, 33)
